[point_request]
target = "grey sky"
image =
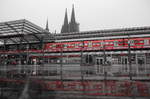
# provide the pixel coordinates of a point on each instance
(91, 14)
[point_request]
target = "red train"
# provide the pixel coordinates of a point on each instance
(113, 44)
(98, 45)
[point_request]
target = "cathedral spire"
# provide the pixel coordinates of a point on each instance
(73, 20)
(65, 27)
(73, 25)
(66, 18)
(47, 26)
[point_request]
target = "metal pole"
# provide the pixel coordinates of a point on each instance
(20, 56)
(81, 66)
(61, 65)
(129, 59)
(105, 72)
(5, 59)
(43, 54)
(27, 58)
(130, 67)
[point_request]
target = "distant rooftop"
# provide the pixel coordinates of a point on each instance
(103, 33)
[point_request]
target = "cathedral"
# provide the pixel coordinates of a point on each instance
(71, 26)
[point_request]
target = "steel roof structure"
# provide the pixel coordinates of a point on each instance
(14, 32)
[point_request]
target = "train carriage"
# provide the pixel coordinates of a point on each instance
(99, 45)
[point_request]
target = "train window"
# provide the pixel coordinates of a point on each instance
(131, 42)
(99, 43)
(69, 44)
(125, 42)
(81, 44)
(94, 43)
(58, 61)
(65, 45)
(141, 41)
(53, 45)
(90, 44)
(73, 44)
(146, 42)
(85, 44)
(110, 43)
(102, 43)
(58, 46)
(136, 41)
(115, 43)
(120, 42)
(76, 45)
(106, 42)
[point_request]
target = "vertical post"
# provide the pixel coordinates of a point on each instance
(61, 64)
(43, 54)
(20, 43)
(5, 59)
(130, 67)
(129, 59)
(27, 58)
(104, 56)
(105, 72)
(81, 66)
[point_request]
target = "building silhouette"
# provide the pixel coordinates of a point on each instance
(65, 27)
(71, 26)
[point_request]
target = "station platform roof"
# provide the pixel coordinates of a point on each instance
(14, 32)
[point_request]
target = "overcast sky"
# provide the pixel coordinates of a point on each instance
(91, 14)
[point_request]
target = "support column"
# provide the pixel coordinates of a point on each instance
(129, 59)
(61, 65)
(81, 66)
(5, 59)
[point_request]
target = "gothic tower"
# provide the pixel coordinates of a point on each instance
(73, 25)
(65, 27)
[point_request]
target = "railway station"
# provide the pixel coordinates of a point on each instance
(26, 47)
(92, 63)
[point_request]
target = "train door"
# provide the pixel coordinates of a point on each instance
(99, 65)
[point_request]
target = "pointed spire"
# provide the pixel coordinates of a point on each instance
(73, 20)
(47, 25)
(66, 18)
(73, 25)
(65, 27)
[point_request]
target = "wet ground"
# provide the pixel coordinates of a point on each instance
(31, 90)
